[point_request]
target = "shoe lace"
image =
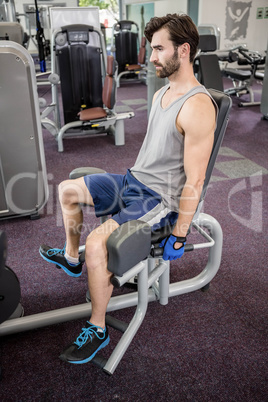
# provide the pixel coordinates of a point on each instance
(88, 332)
(54, 251)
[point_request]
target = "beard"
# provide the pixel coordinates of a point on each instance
(170, 67)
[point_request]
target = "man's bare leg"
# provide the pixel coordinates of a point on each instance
(94, 335)
(100, 287)
(71, 194)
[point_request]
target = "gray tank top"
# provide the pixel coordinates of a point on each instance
(159, 164)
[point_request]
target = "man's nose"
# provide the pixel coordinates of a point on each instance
(153, 57)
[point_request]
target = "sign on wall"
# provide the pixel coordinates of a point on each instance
(237, 16)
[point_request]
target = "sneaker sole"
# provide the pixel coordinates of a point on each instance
(61, 266)
(105, 343)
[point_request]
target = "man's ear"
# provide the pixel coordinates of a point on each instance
(184, 50)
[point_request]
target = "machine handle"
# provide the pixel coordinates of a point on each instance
(158, 251)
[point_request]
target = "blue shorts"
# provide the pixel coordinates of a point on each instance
(126, 198)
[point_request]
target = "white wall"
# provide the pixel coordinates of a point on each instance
(161, 7)
(164, 7)
(211, 11)
(214, 12)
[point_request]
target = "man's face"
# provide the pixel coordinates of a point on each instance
(164, 56)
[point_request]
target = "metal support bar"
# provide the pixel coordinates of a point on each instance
(157, 272)
(210, 243)
(40, 320)
(119, 281)
(213, 264)
(120, 75)
(119, 133)
(164, 284)
(50, 126)
(134, 325)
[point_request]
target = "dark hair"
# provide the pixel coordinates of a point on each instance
(181, 30)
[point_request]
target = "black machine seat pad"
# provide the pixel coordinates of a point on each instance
(237, 74)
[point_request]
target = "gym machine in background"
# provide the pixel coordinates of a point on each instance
(264, 97)
(125, 43)
(23, 179)
(78, 72)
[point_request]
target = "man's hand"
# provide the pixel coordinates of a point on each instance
(172, 248)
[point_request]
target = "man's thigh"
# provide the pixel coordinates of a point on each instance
(106, 190)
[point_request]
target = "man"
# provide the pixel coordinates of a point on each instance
(163, 186)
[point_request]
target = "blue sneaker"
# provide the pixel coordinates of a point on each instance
(56, 256)
(87, 345)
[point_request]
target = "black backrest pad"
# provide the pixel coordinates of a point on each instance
(207, 43)
(126, 49)
(81, 79)
(210, 73)
(224, 104)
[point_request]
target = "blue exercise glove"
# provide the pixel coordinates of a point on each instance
(170, 253)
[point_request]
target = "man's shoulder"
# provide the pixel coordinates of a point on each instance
(199, 110)
(200, 99)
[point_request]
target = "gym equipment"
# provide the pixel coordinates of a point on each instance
(13, 31)
(206, 63)
(264, 97)
(10, 306)
(61, 15)
(7, 10)
(95, 114)
(23, 180)
(138, 68)
(209, 72)
(78, 62)
(211, 30)
(125, 42)
(243, 79)
(9, 284)
(41, 41)
(145, 262)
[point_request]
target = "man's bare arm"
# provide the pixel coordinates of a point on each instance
(196, 121)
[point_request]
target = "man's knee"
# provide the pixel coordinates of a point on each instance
(66, 192)
(70, 192)
(96, 251)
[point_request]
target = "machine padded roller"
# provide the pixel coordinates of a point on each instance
(132, 235)
(84, 171)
